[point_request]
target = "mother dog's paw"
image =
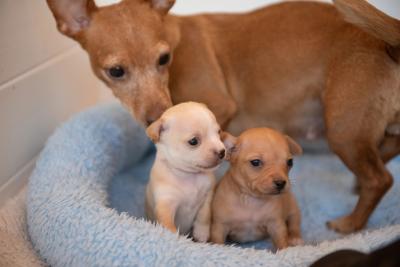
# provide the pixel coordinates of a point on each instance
(344, 225)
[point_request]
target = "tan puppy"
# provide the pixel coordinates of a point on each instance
(253, 200)
(305, 68)
(178, 195)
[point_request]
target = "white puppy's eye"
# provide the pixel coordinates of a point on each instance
(194, 141)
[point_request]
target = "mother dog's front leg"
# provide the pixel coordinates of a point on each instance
(196, 74)
(215, 97)
(223, 107)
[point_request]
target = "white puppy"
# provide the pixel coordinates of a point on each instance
(189, 149)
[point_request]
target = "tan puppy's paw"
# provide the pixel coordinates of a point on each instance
(344, 225)
(201, 232)
(296, 241)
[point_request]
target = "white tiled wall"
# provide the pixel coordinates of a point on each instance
(45, 77)
(391, 7)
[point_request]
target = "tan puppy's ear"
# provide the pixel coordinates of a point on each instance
(72, 16)
(294, 148)
(230, 144)
(162, 6)
(154, 130)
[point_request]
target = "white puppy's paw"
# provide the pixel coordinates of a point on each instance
(201, 232)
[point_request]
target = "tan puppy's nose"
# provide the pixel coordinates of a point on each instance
(220, 153)
(279, 184)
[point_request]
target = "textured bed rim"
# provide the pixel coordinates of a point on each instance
(70, 223)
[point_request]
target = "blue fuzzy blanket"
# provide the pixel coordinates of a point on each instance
(86, 195)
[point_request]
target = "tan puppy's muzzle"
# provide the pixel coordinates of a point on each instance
(272, 183)
(279, 183)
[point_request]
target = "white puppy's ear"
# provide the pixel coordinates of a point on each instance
(154, 130)
(294, 148)
(230, 143)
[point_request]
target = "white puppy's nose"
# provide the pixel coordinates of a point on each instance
(220, 153)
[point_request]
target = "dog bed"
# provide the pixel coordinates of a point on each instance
(86, 195)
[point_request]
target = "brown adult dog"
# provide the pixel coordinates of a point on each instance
(299, 67)
(253, 200)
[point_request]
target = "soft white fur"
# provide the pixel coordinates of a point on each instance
(177, 182)
(185, 193)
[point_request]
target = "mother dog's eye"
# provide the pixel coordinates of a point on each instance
(116, 72)
(164, 59)
(289, 162)
(194, 141)
(255, 162)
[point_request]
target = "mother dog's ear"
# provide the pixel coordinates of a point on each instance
(72, 16)
(230, 143)
(162, 6)
(155, 129)
(294, 148)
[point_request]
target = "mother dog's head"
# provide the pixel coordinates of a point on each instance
(130, 47)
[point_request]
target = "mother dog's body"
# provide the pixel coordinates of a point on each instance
(274, 76)
(297, 66)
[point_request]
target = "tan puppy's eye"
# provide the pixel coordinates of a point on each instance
(289, 163)
(256, 162)
(194, 141)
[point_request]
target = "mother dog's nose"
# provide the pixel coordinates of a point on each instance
(153, 109)
(154, 114)
(152, 118)
(149, 122)
(220, 154)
